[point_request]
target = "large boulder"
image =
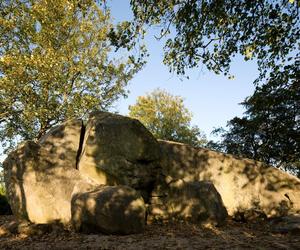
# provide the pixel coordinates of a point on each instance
(38, 187)
(72, 160)
(196, 202)
(118, 150)
(107, 209)
(245, 185)
(63, 142)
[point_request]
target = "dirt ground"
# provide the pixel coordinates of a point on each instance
(235, 235)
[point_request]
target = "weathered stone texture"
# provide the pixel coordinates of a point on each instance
(111, 210)
(196, 202)
(244, 185)
(63, 142)
(113, 165)
(38, 188)
(119, 150)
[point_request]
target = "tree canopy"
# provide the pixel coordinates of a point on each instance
(212, 32)
(167, 118)
(56, 62)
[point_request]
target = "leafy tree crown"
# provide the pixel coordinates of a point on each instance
(167, 118)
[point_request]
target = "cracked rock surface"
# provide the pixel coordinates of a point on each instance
(118, 150)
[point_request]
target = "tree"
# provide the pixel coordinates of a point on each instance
(270, 129)
(167, 118)
(56, 62)
(212, 32)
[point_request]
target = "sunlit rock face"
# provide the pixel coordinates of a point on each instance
(38, 187)
(195, 202)
(111, 210)
(63, 142)
(247, 187)
(119, 150)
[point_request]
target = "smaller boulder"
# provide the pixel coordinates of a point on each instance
(196, 202)
(108, 209)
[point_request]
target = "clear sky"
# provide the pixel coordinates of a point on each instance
(213, 99)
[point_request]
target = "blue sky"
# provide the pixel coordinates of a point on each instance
(213, 99)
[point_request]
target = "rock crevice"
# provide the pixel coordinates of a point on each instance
(81, 140)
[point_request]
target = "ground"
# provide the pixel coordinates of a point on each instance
(234, 235)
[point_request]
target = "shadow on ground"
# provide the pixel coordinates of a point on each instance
(255, 235)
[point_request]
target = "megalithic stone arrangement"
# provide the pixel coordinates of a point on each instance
(110, 175)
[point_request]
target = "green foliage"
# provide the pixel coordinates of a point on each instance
(57, 62)
(211, 32)
(2, 185)
(270, 129)
(167, 118)
(2, 189)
